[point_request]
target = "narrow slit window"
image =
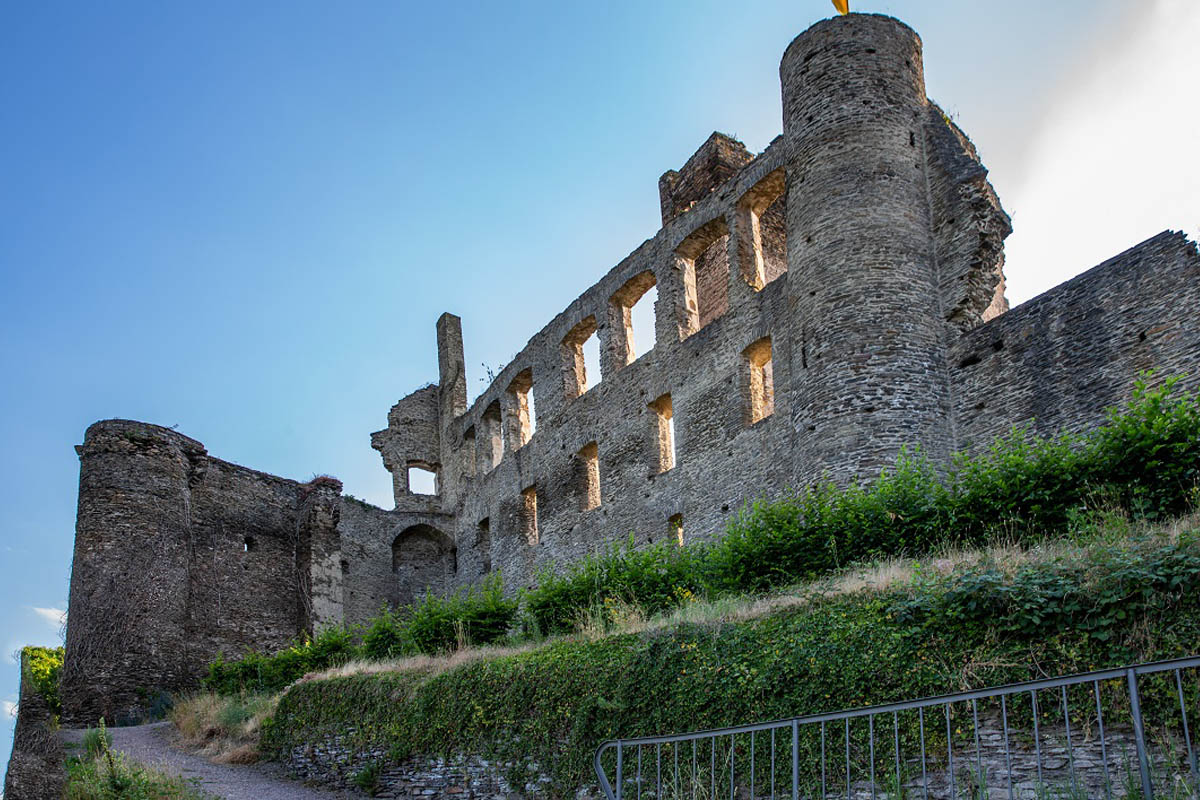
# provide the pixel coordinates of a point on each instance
(581, 358)
(760, 380)
(675, 527)
(249, 545)
(422, 478)
(522, 417)
(664, 433)
(589, 477)
(529, 514)
(633, 320)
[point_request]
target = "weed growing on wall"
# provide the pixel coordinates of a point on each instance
(43, 666)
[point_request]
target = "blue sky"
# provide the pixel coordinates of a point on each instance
(244, 218)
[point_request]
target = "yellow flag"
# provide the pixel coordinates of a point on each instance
(842, 6)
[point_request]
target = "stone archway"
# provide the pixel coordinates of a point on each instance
(423, 558)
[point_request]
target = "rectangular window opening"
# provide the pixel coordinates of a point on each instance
(581, 358)
(422, 478)
(633, 318)
(529, 515)
(664, 433)
(589, 474)
(760, 382)
(762, 240)
(468, 453)
(483, 543)
(493, 437)
(521, 414)
(704, 260)
(675, 526)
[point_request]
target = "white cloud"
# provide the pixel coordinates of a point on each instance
(1114, 160)
(52, 616)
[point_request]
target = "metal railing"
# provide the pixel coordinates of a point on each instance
(1110, 733)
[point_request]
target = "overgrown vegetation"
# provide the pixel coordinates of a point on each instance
(1144, 461)
(43, 666)
(478, 615)
(1117, 596)
(225, 729)
(101, 774)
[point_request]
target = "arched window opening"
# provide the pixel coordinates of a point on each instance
(632, 309)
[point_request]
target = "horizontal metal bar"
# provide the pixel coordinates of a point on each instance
(925, 702)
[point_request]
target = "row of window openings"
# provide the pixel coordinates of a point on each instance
(529, 515)
(704, 259)
(760, 390)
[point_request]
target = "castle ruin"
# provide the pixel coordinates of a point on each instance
(819, 306)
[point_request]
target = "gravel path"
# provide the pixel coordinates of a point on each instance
(150, 745)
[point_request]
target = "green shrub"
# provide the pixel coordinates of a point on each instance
(43, 667)
(367, 778)
(96, 741)
(259, 672)
(1145, 459)
(987, 625)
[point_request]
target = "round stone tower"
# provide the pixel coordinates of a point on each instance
(126, 631)
(869, 373)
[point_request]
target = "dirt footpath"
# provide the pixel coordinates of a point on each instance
(150, 745)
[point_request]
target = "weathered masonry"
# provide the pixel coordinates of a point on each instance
(816, 307)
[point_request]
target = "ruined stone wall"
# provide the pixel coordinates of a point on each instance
(180, 556)
(819, 306)
(36, 768)
(1059, 360)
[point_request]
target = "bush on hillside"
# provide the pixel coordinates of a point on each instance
(1145, 459)
(1103, 606)
(261, 672)
(479, 615)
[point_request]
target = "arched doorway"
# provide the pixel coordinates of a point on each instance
(423, 558)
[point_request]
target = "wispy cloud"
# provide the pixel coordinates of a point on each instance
(1114, 161)
(52, 616)
(8, 709)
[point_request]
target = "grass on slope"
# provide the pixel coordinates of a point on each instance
(1113, 593)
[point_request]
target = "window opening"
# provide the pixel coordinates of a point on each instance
(522, 417)
(760, 383)
(675, 526)
(589, 467)
(762, 240)
(422, 478)
(664, 433)
(633, 310)
(581, 358)
(248, 544)
(704, 261)
(529, 514)
(493, 437)
(483, 543)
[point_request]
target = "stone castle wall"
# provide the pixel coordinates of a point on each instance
(35, 770)
(819, 305)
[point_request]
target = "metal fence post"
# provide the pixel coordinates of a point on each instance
(795, 759)
(1139, 734)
